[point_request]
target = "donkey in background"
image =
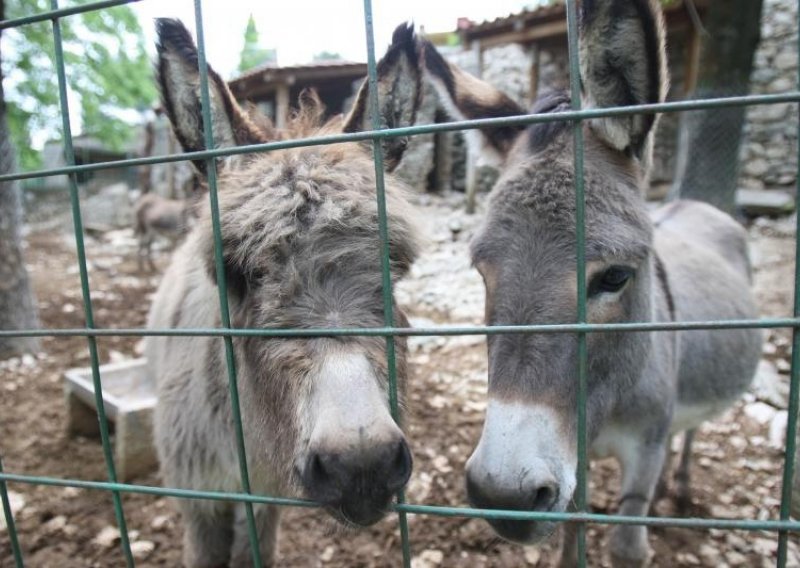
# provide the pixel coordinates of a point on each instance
(301, 250)
(687, 263)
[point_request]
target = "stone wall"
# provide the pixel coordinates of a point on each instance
(769, 148)
(769, 154)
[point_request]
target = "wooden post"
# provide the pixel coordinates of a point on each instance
(281, 105)
(692, 62)
(473, 147)
(534, 74)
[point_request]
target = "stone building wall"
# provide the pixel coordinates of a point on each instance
(769, 147)
(769, 153)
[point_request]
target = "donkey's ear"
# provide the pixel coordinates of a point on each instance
(179, 81)
(623, 62)
(399, 93)
(466, 97)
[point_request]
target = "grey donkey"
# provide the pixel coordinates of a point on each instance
(301, 250)
(156, 216)
(688, 262)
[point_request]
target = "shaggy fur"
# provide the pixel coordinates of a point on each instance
(300, 249)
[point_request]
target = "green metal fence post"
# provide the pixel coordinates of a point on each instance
(230, 360)
(794, 384)
(69, 155)
(580, 256)
(386, 276)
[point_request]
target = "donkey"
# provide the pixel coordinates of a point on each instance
(689, 264)
(300, 250)
(156, 216)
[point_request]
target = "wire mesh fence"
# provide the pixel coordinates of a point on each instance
(783, 525)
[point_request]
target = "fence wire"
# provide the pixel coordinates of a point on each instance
(783, 525)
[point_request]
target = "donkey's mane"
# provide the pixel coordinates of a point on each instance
(311, 205)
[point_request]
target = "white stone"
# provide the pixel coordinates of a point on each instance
(17, 502)
(107, 537)
(786, 60)
(710, 556)
(55, 524)
(769, 386)
(428, 559)
(777, 430)
(760, 412)
(160, 522)
(141, 549)
(327, 554)
(756, 167)
(532, 555)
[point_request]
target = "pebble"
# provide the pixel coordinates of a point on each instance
(735, 558)
(442, 464)
(777, 429)
(141, 549)
(55, 524)
(427, 559)
(736, 542)
(709, 555)
(71, 492)
(532, 555)
(160, 522)
(760, 412)
(327, 554)
(17, 502)
(769, 386)
(107, 537)
(765, 547)
(688, 558)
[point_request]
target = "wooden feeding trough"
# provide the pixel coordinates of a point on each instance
(129, 396)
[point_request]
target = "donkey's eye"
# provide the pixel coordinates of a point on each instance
(612, 279)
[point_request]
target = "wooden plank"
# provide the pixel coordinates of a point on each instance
(692, 62)
(528, 35)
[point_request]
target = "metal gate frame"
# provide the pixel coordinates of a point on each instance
(783, 525)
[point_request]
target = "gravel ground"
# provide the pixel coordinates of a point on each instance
(737, 463)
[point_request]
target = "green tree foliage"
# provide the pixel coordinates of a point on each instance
(108, 72)
(252, 53)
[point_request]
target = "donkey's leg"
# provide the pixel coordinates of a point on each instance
(683, 496)
(267, 520)
(662, 487)
(208, 535)
(641, 468)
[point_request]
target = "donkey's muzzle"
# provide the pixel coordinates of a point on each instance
(357, 486)
(541, 498)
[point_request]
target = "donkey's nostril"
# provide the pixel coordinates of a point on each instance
(545, 497)
(317, 468)
(400, 468)
(323, 473)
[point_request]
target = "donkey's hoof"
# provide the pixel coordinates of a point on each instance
(629, 548)
(683, 503)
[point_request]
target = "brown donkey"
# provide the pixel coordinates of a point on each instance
(301, 250)
(687, 263)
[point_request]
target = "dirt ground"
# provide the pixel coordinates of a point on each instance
(737, 460)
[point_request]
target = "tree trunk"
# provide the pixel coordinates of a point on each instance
(17, 305)
(710, 139)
